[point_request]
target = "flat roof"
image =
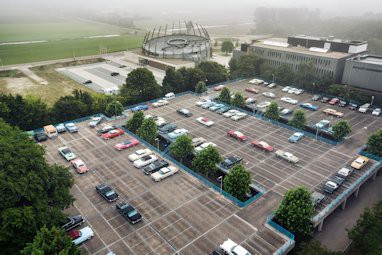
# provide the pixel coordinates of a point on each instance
(302, 50)
(369, 59)
(328, 39)
(167, 61)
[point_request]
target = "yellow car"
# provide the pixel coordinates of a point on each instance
(360, 162)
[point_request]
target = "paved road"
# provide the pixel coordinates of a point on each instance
(334, 234)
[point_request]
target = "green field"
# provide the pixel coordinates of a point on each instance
(64, 37)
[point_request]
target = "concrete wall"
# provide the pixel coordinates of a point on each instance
(363, 75)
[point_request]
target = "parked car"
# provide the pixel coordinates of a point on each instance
(262, 145)
(107, 192)
(286, 111)
(71, 127)
(160, 122)
(231, 248)
(40, 136)
(269, 94)
(198, 141)
(289, 100)
(144, 161)
(272, 85)
(342, 103)
(160, 103)
(344, 173)
(229, 162)
(285, 89)
(309, 106)
(203, 101)
(141, 107)
(207, 105)
(105, 129)
(322, 124)
(223, 109)
(359, 162)
(316, 97)
(164, 173)
(334, 101)
(334, 183)
(317, 198)
(219, 87)
(216, 107)
(296, 137)
(139, 154)
(324, 100)
(113, 133)
(95, 121)
(167, 128)
(72, 222)
(230, 113)
(60, 128)
(114, 74)
(205, 121)
(353, 106)
(250, 100)
(376, 112)
(169, 96)
(87, 82)
(155, 166)
(126, 144)
(128, 212)
(252, 90)
(239, 116)
(80, 166)
(256, 81)
(67, 153)
(287, 156)
(184, 112)
(82, 235)
(203, 146)
(177, 132)
(333, 112)
(237, 135)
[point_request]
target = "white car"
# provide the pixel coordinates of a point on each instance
(263, 105)
(164, 173)
(291, 90)
(139, 154)
(160, 121)
(256, 81)
(239, 116)
(376, 112)
(269, 94)
(177, 132)
(203, 146)
(160, 103)
(289, 100)
(95, 121)
(205, 121)
(285, 89)
(201, 102)
(82, 235)
(230, 113)
(298, 91)
(144, 161)
(272, 85)
(232, 248)
(250, 100)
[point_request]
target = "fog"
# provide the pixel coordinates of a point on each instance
(213, 10)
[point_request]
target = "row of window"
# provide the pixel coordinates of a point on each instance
(318, 71)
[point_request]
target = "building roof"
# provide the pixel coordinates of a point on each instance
(369, 59)
(328, 39)
(301, 50)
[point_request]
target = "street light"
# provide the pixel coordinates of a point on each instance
(273, 78)
(157, 140)
(372, 100)
(220, 179)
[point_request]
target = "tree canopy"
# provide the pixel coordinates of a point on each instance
(33, 192)
(296, 211)
(68, 108)
(238, 100)
(114, 108)
(314, 247)
(272, 111)
(200, 87)
(136, 121)
(173, 81)
(214, 72)
(53, 241)
(298, 120)
(206, 160)
(182, 147)
(225, 96)
(148, 130)
(341, 129)
(237, 182)
(227, 47)
(247, 66)
(374, 143)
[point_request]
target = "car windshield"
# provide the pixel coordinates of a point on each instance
(110, 193)
(359, 161)
(132, 213)
(126, 142)
(164, 170)
(66, 151)
(140, 152)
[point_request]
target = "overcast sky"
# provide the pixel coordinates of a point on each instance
(203, 7)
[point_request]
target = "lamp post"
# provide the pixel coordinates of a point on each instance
(220, 179)
(157, 140)
(372, 100)
(273, 78)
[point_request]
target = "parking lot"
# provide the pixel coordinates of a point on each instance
(181, 215)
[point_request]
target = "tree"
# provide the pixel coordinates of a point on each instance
(296, 211)
(225, 96)
(86, 98)
(298, 120)
(135, 122)
(284, 75)
(314, 247)
(33, 194)
(148, 130)
(53, 241)
(114, 108)
(173, 81)
(238, 100)
(227, 47)
(233, 66)
(341, 129)
(182, 147)
(200, 87)
(140, 86)
(237, 182)
(206, 160)
(248, 66)
(374, 143)
(367, 233)
(191, 77)
(214, 72)
(272, 111)
(267, 71)
(305, 74)
(68, 108)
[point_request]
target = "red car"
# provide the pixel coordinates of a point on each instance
(252, 90)
(238, 135)
(126, 144)
(80, 166)
(113, 133)
(219, 87)
(74, 234)
(262, 145)
(334, 101)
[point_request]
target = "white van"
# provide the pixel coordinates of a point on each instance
(50, 131)
(170, 95)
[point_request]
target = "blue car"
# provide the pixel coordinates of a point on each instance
(309, 106)
(71, 127)
(60, 128)
(296, 137)
(141, 107)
